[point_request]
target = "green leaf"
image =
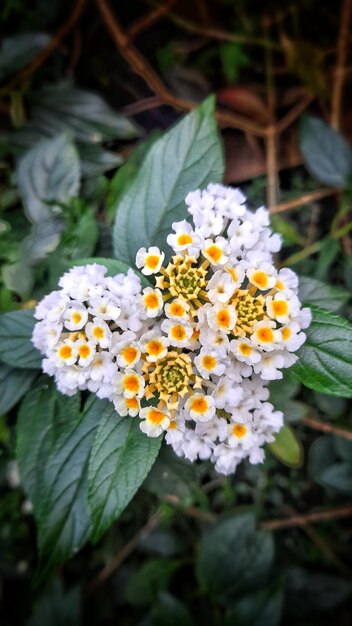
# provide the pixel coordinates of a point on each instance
(188, 156)
(56, 607)
(16, 328)
(321, 455)
(95, 160)
(327, 155)
(325, 358)
(120, 460)
(261, 608)
(287, 448)
(126, 174)
(48, 172)
(313, 291)
(83, 114)
(142, 586)
(338, 476)
(54, 440)
(18, 51)
(309, 592)
(234, 557)
(172, 474)
(14, 383)
(169, 611)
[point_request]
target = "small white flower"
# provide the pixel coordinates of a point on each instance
(177, 310)
(222, 317)
(263, 277)
(221, 287)
(85, 352)
(127, 406)
(98, 332)
(151, 301)
(179, 334)
(130, 384)
(245, 351)
(265, 335)
(149, 260)
(216, 252)
(185, 238)
(104, 308)
(200, 407)
(208, 363)
(270, 366)
(154, 421)
(75, 316)
(154, 345)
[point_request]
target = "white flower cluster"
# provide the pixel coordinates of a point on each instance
(191, 354)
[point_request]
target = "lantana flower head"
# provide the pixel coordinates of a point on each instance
(193, 353)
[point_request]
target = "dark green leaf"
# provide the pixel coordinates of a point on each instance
(172, 474)
(234, 557)
(325, 358)
(287, 448)
(14, 383)
(18, 51)
(186, 157)
(54, 440)
(169, 611)
(343, 448)
(48, 172)
(95, 160)
(261, 608)
(142, 586)
(57, 608)
(84, 114)
(338, 476)
(312, 291)
(308, 592)
(321, 455)
(326, 154)
(120, 460)
(16, 328)
(125, 174)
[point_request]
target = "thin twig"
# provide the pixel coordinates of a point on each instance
(44, 54)
(342, 46)
(221, 35)
(148, 19)
(141, 67)
(307, 198)
(122, 555)
(322, 544)
(308, 518)
(271, 138)
(145, 104)
(327, 428)
(294, 113)
(190, 511)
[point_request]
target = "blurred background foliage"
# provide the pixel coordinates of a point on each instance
(270, 545)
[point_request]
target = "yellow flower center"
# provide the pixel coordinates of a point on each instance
(65, 352)
(98, 332)
(151, 301)
(239, 430)
(184, 239)
(208, 362)
(152, 261)
(129, 354)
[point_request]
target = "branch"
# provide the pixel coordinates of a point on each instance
(141, 67)
(307, 198)
(149, 19)
(308, 518)
(327, 428)
(342, 45)
(122, 555)
(48, 50)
